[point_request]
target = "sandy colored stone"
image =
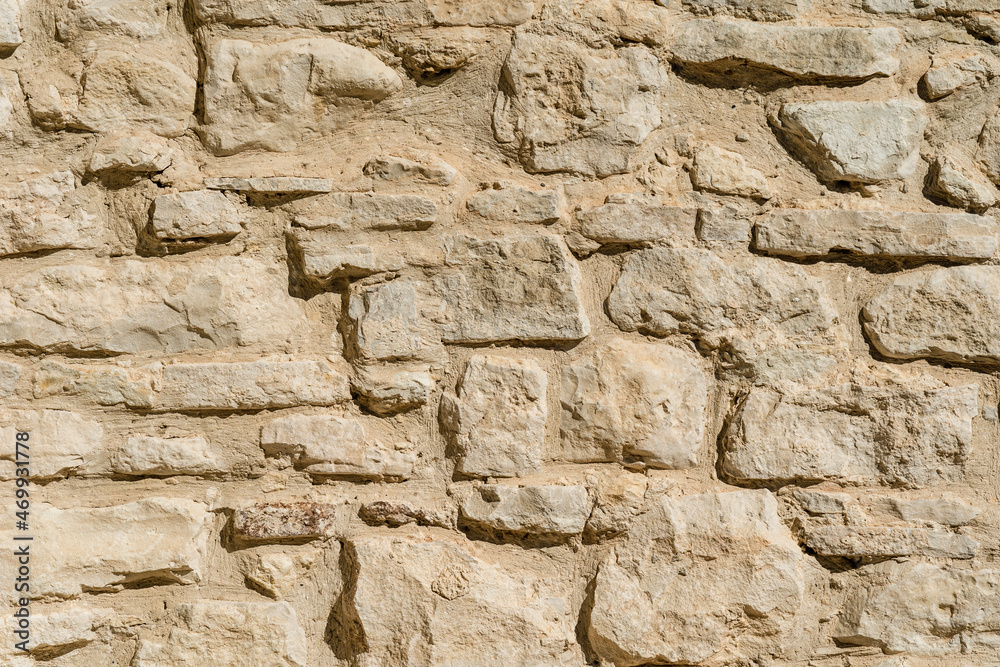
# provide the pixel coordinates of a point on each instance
(227, 634)
(821, 502)
(540, 510)
(935, 510)
(824, 135)
(664, 595)
(10, 24)
(949, 314)
(137, 151)
(759, 10)
(135, 19)
(49, 213)
(104, 384)
(626, 220)
(634, 399)
(524, 288)
(150, 455)
(810, 233)
(516, 203)
(324, 257)
(617, 500)
(195, 214)
(66, 628)
(283, 522)
(496, 418)
(726, 224)
(402, 170)
(388, 390)
(852, 433)
(9, 375)
(888, 541)
(960, 183)
(950, 72)
(347, 211)
(271, 185)
(330, 445)
(386, 324)
(277, 573)
(813, 53)
(60, 443)
(727, 173)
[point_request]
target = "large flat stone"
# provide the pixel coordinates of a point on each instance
(283, 522)
(951, 314)
(205, 214)
(520, 288)
(60, 443)
(888, 542)
(49, 213)
(807, 233)
(810, 53)
(164, 457)
(852, 433)
(758, 10)
(348, 211)
(540, 510)
(624, 220)
(385, 323)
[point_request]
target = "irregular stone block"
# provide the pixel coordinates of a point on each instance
(229, 633)
(383, 513)
(390, 390)
(61, 443)
(540, 510)
(888, 542)
(401, 170)
(271, 185)
(727, 224)
(596, 130)
(323, 257)
(140, 20)
(821, 502)
(206, 214)
(9, 375)
(807, 233)
(250, 385)
(49, 213)
(162, 457)
(135, 151)
(691, 575)
(925, 609)
(516, 204)
(91, 550)
(851, 433)
(362, 210)
(277, 574)
(950, 72)
(328, 445)
(934, 510)
(496, 419)
(830, 54)
(524, 288)
(616, 502)
(283, 522)
(622, 220)
(960, 183)
(10, 24)
(427, 602)
(107, 385)
(825, 135)
(758, 10)
(252, 104)
(726, 173)
(951, 314)
(128, 306)
(385, 324)
(65, 629)
(129, 89)
(635, 399)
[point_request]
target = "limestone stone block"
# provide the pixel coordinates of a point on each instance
(758, 10)
(960, 183)
(206, 214)
(496, 418)
(852, 433)
(950, 313)
(284, 522)
(122, 306)
(57, 631)
(726, 224)
(330, 445)
(104, 384)
(594, 132)
(60, 444)
(323, 257)
(631, 221)
(135, 19)
(431, 602)
(824, 134)
(155, 456)
(49, 212)
(524, 288)
(950, 72)
(386, 324)
(819, 54)
(388, 390)
(812, 233)
(132, 151)
(690, 567)
(821, 502)
(271, 185)
(276, 573)
(514, 203)
(10, 24)
(346, 211)
(727, 173)
(220, 632)
(540, 510)
(617, 500)
(9, 375)
(394, 169)
(888, 542)
(935, 510)
(634, 399)
(252, 104)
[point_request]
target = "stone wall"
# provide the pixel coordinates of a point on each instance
(399, 333)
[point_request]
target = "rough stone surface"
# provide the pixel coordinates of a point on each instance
(759, 10)
(48, 213)
(888, 541)
(802, 233)
(399, 169)
(516, 204)
(195, 214)
(948, 74)
(65, 443)
(346, 211)
(497, 417)
(278, 522)
(136, 151)
(727, 173)
(824, 134)
(631, 221)
(543, 510)
(149, 455)
(960, 183)
(386, 324)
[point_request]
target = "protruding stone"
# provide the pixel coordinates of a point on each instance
(831, 54)
(250, 104)
(401, 170)
(138, 20)
(758, 10)
(496, 419)
(388, 390)
(447, 599)
(696, 574)
(888, 542)
(934, 510)
(631, 221)
(851, 433)
(950, 72)
(960, 183)
(384, 513)
(136, 151)
(277, 574)
(617, 501)
(10, 24)
(810, 233)
(328, 445)
(198, 214)
(524, 288)
(595, 131)
(951, 314)
(634, 399)
(925, 609)
(825, 136)
(323, 257)
(727, 173)
(49, 213)
(163, 457)
(9, 375)
(271, 185)
(129, 306)
(537, 510)
(65, 629)
(104, 384)
(726, 224)
(349, 211)
(386, 324)
(284, 522)
(60, 443)
(229, 633)
(821, 502)
(515, 203)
